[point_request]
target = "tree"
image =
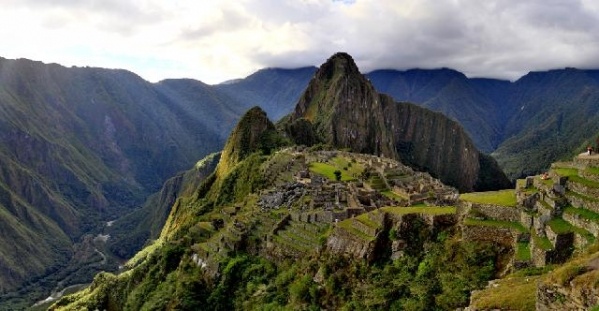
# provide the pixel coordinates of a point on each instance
(337, 175)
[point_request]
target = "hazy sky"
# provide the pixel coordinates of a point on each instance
(216, 40)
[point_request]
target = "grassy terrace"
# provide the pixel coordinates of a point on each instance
(348, 169)
(576, 268)
(523, 251)
(392, 195)
(592, 170)
(584, 213)
(511, 293)
(572, 175)
(427, 210)
(495, 223)
(349, 227)
(541, 242)
(566, 171)
(581, 196)
(377, 183)
(502, 197)
(560, 226)
(367, 221)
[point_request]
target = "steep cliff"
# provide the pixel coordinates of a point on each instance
(340, 107)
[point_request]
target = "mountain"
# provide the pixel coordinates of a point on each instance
(340, 107)
(275, 90)
(83, 146)
(451, 93)
(556, 115)
(274, 228)
(291, 227)
(489, 110)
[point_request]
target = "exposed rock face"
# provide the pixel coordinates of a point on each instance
(345, 111)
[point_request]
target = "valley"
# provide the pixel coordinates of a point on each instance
(93, 172)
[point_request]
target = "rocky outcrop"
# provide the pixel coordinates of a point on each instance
(570, 287)
(341, 108)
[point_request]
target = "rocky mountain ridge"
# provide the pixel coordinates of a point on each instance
(341, 108)
(519, 121)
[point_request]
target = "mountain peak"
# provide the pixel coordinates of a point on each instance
(340, 63)
(253, 133)
(341, 108)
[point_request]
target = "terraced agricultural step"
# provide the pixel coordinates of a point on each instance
(301, 241)
(590, 173)
(583, 186)
(365, 225)
(582, 201)
(289, 248)
(561, 229)
(301, 232)
(583, 218)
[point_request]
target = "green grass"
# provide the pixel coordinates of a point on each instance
(377, 183)
(566, 171)
(427, 210)
(523, 251)
(495, 223)
(347, 169)
(583, 181)
(510, 293)
(349, 227)
(560, 226)
(582, 212)
(572, 175)
(392, 195)
(546, 182)
(592, 170)
(502, 197)
(541, 242)
(367, 221)
(581, 196)
(545, 205)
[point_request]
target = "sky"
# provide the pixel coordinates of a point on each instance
(214, 41)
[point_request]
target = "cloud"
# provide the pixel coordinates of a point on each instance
(218, 40)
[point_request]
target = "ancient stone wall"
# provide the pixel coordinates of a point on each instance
(344, 243)
(497, 212)
(526, 219)
(589, 225)
(503, 236)
(580, 202)
(580, 188)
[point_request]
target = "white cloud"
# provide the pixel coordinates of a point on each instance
(218, 40)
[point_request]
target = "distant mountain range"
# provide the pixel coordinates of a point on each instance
(83, 146)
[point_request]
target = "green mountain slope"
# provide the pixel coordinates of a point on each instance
(83, 146)
(269, 230)
(557, 113)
